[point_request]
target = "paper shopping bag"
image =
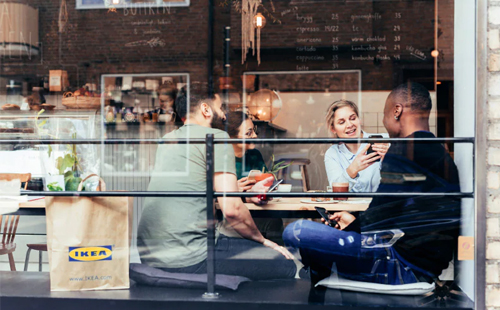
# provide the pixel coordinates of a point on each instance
(88, 241)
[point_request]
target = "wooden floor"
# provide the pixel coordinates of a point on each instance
(30, 290)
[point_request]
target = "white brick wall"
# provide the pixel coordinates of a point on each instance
(494, 38)
(494, 62)
(493, 177)
(494, 108)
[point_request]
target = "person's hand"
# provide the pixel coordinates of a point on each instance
(381, 149)
(282, 250)
(342, 218)
(245, 184)
(362, 161)
(260, 187)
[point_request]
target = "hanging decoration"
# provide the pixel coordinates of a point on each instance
(63, 16)
(248, 12)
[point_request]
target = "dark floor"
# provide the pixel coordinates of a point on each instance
(30, 290)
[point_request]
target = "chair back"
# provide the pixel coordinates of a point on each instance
(286, 173)
(9, 228)
(24, 177)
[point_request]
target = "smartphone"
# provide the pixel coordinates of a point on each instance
(370, 150)
(324, 214)
(271, 188)
(253, 173)
(275, 185)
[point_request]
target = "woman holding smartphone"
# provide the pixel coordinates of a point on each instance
(240, 126)
(352, 162)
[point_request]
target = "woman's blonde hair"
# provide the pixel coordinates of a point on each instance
(330, 113)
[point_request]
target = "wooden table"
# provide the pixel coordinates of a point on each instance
(284, 207)
(293, 207)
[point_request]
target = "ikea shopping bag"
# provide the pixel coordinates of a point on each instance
(88, 240)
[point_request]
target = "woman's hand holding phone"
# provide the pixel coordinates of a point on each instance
(245, 184)
(260, 187)
(379, 148)
(362, 161)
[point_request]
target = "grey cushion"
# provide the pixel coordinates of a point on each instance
(336, 282)
(146, 275)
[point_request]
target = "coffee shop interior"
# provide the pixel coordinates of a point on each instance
(113, 72)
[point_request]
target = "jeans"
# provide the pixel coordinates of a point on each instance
(325, 249)
(242, 257)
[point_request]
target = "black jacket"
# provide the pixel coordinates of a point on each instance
(431, 224)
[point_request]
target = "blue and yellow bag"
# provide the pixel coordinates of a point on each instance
(88, 241)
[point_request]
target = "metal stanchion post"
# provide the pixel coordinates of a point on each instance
(210, 220)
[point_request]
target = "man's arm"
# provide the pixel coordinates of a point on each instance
(238, 215)
(235, 212)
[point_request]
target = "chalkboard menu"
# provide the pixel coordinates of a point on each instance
(367, 35)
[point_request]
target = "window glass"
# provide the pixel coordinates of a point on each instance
(142, 86)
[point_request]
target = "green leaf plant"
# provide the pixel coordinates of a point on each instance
(69, 160)
(276, 167)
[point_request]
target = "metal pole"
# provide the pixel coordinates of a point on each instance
(227, 65)
(210, 220)
(210, 60)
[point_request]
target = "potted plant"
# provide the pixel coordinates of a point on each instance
(70, 161)
(275, 168)
(67, 172)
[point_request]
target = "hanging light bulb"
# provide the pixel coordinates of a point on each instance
(116, 1)
(259, 21)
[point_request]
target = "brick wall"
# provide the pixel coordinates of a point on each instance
(493, 177)
(100, 42)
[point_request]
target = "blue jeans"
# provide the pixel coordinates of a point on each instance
(323, 248)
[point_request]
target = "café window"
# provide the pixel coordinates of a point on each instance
(276, 152)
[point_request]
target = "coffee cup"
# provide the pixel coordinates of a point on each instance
(340, 188)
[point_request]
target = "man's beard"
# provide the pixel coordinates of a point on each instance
(218, 122)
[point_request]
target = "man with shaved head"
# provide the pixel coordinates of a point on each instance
(407, 110)
(425, 228)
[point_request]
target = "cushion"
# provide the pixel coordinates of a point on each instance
(146, 275)
(336, 282)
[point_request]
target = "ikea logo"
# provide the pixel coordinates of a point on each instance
(90, 254)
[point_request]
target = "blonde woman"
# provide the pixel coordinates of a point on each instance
(349, 162)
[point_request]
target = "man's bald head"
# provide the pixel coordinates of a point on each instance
(413, 96)
(407, 107)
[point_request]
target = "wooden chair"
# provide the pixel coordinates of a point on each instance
(9, 233)
(24, 177)
(302, 163)
(10, 246)
(11, 221)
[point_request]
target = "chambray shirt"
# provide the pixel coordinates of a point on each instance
(337, 160)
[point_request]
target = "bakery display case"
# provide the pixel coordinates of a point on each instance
(20, 124)
(56, 124)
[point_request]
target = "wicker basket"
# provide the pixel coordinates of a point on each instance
(80, 102)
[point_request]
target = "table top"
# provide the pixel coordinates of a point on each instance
(283, 204)
(304, 204)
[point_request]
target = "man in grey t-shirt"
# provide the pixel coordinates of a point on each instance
(172, 232)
